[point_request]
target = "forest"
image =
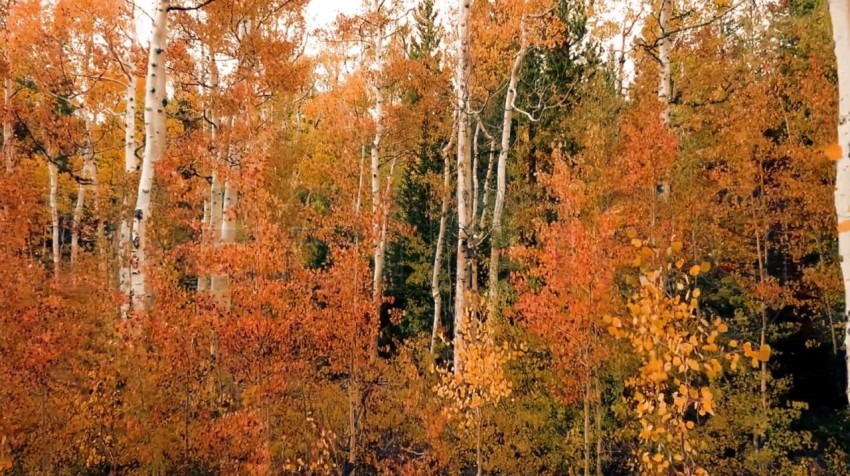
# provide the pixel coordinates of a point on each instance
(448, 237)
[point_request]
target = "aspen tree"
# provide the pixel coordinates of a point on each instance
(8, 134)
(665, 81)
(501, 169)
(54, 217)
(8, 130)
(131, 161)
(839, 10)
(379, 251)
(441, 241)
(462, 93)
(155, 103)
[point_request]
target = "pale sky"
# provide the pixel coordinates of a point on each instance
(322, 13)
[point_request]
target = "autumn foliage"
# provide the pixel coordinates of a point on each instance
(332, 251)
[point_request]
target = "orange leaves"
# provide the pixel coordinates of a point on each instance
(833, 152)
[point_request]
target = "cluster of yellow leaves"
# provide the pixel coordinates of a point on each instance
(482, 381)
(321, 460)
(679, 356)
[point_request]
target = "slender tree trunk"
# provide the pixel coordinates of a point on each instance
(54, 216)
(501, 172)
(8, 131)
(462, 74)
(353, 408)
(441, 242)
(358, 200)
(478, 459)
(665, 82)
(155, 133)
(586, 432)
(597, 402)
(131, 168)
(488, 189)
(839, 10)
(665, 89)
(228, 194)
(213, 213)
(378, 116)
(438, 259)
(215, 225)
(77, 218)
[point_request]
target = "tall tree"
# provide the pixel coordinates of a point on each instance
(840, 13)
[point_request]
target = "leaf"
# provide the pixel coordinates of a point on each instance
(833, 152)
(694, 271)
(764, 353)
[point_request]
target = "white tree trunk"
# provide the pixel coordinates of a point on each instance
(131, 167)
(462, 94)
(54, 216)
(378, 116)
(223, 219)
(665, 84)
(488, 179)
(501, 171)
(840, 12)
(212, 207)
(441, 242)
(155, 104)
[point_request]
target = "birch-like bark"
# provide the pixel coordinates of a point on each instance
(665, 82)
(462, 74)
(223, 218)
(212, 207)
(131, 167)
(155, 103)
(54, 216)
(839, 10)
(378, 116)
(89, 173)
(441, 243)
(501, 172)
(488, 178)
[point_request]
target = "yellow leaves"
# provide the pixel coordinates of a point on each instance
(692, 364)
(484, 379)
(706, 404)
(679, 349)
(637, 243)
(764, 353)
(676, 247)
(756, 356)
(844, 226)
